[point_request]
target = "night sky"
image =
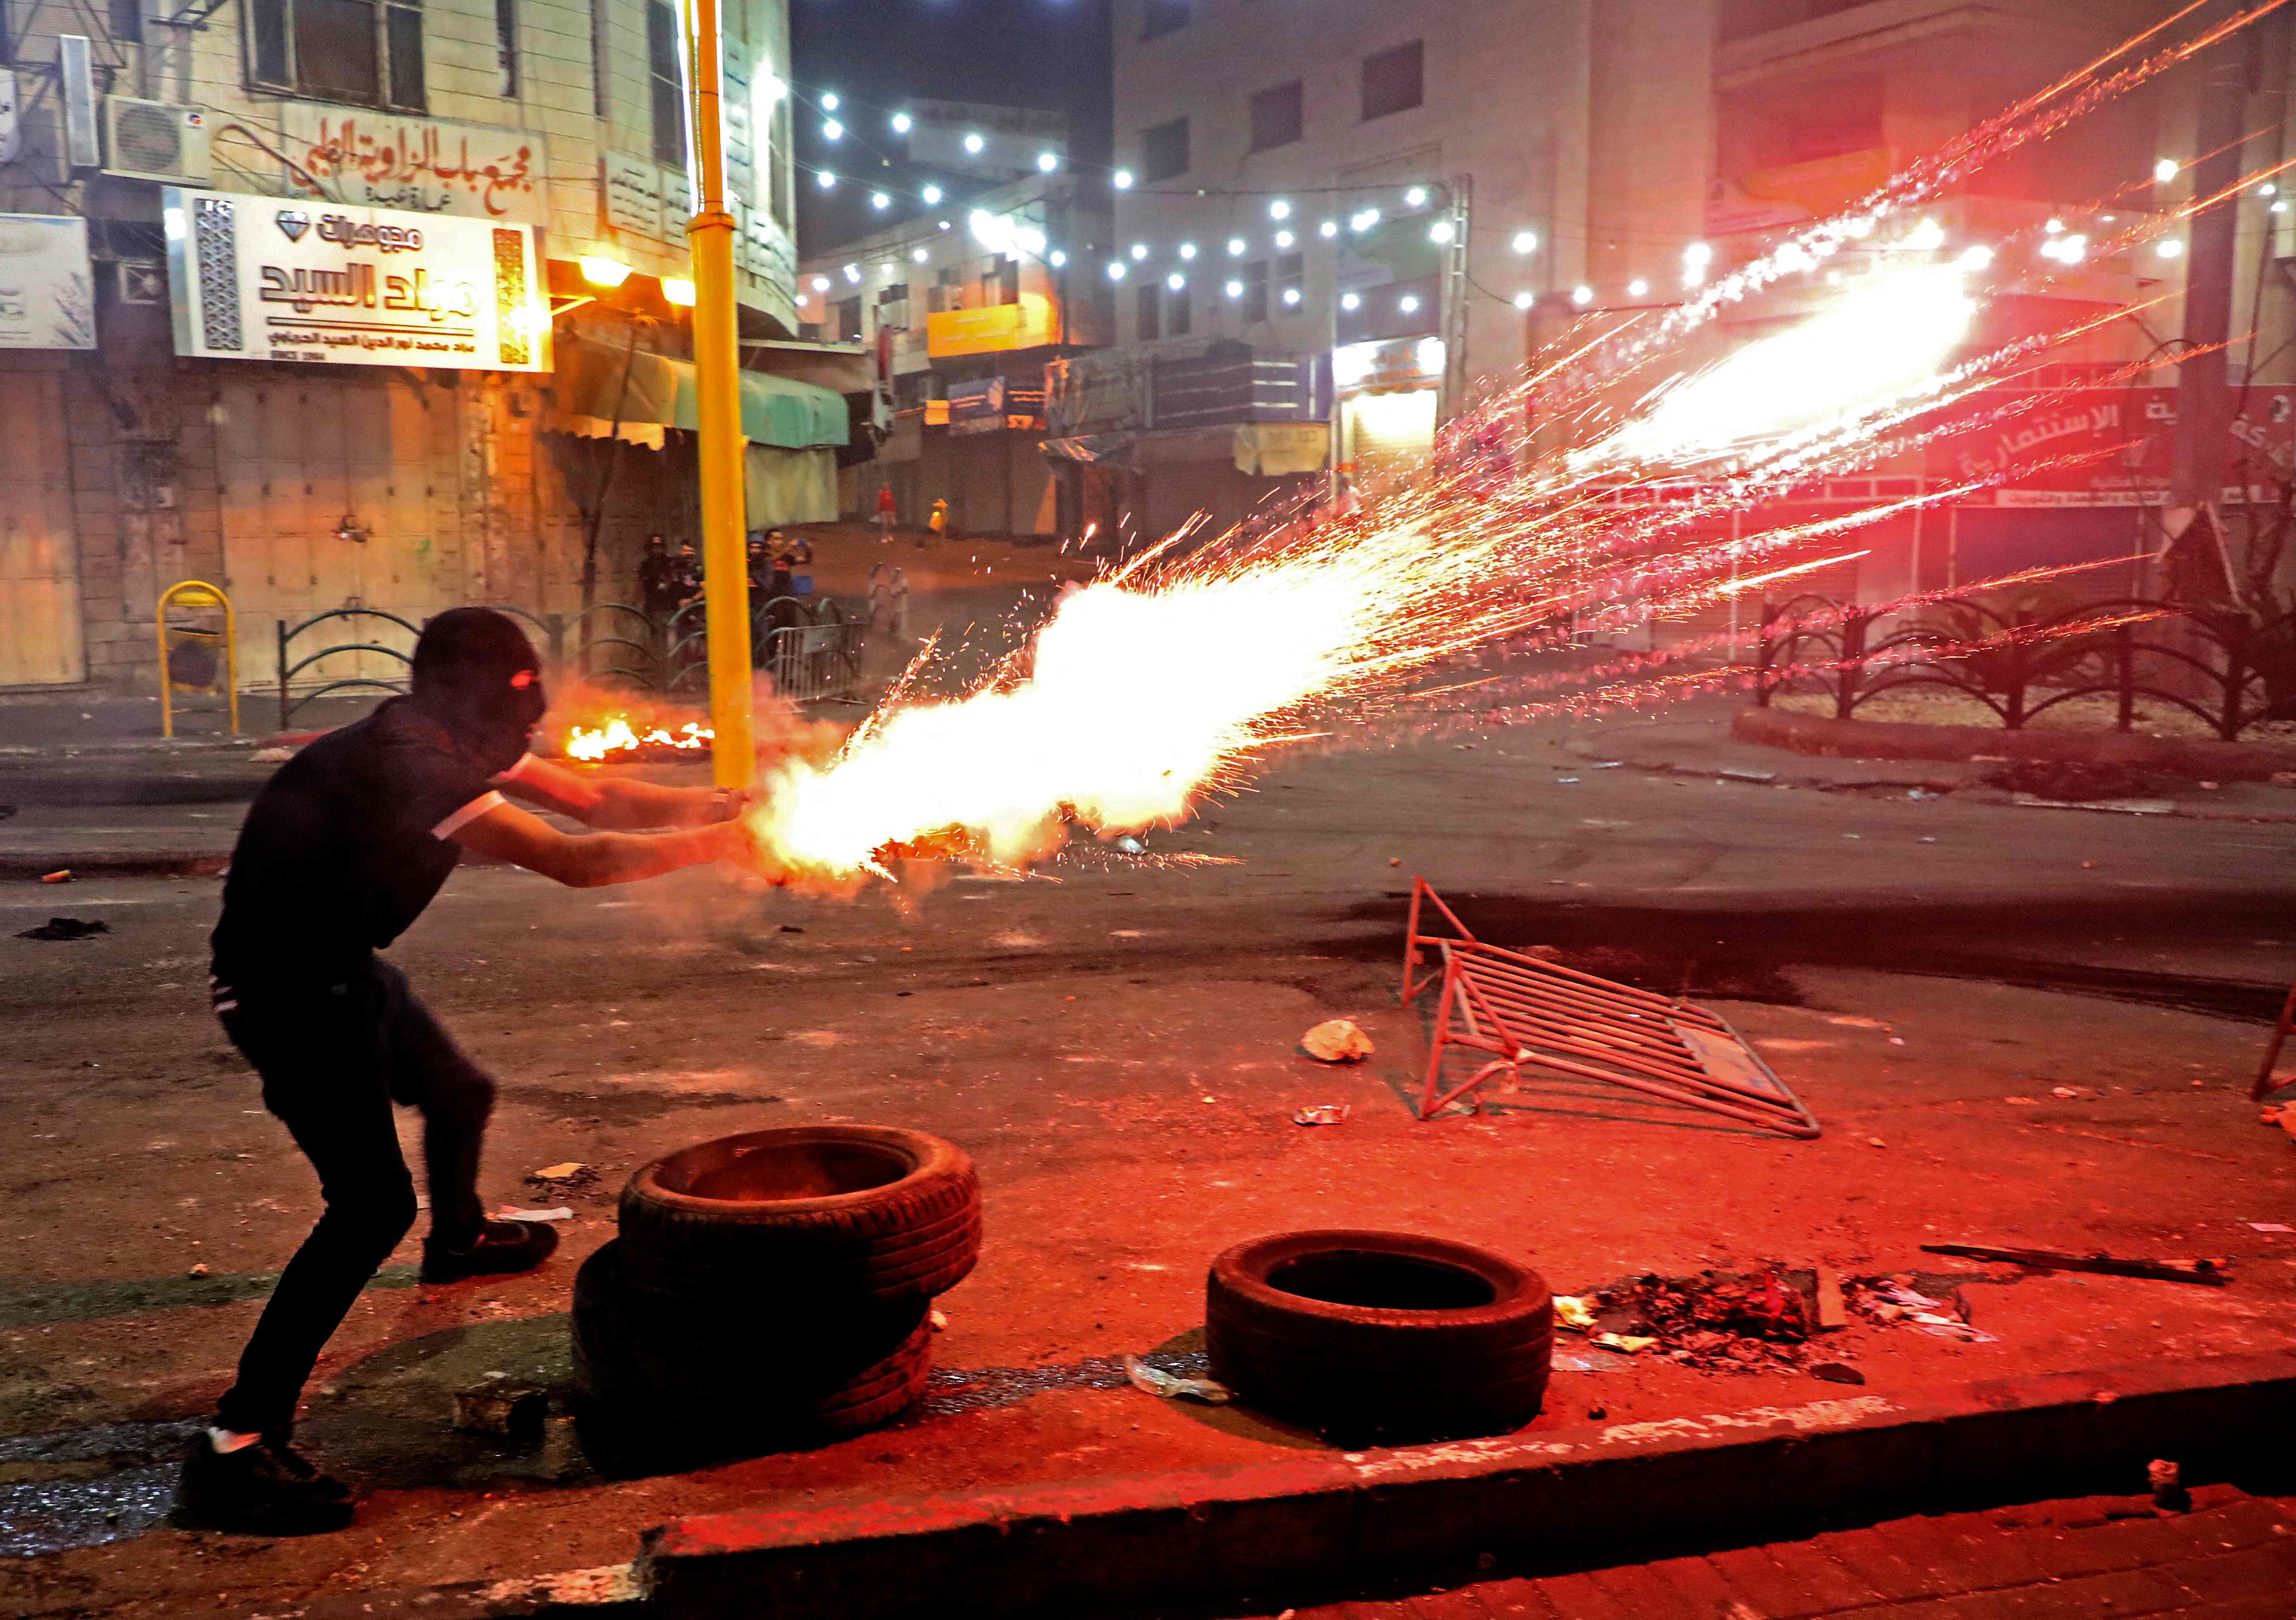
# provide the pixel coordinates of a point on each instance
(875, 54)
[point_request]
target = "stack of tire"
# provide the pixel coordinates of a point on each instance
(772, 1289)
(1380, 1335)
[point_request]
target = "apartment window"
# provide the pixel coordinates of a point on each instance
(602, 57)
(1164, 151)
(1393, 81)
(778, 148)
(1276, 117)
(1255, 291)
(1147, 312)
(668, 84)
(849, 319)
(893, 307)
(1159, 17)
(506, 48)
(1179, 313)
(1000, 282)
(368, 52)
(125, 17)
(946, 293)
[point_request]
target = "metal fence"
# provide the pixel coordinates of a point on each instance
(2225, 669)
(811, 650)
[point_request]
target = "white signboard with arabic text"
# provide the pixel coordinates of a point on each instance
(423, 166)
(267, 278)
(46, 300)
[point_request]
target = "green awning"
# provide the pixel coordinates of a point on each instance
(779, 411)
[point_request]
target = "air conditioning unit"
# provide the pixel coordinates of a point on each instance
(156, 141)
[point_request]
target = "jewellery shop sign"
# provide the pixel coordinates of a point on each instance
(267, 278)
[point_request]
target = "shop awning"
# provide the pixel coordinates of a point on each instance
(1270, 449)
(1112, 449)
(779, 411)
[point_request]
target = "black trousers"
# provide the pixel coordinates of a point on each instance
(333, 1059)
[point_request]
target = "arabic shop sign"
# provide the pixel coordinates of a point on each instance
(46, 300)
(270, 278)
(425, 166)
(2105, 447)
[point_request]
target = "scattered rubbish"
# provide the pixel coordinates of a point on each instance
(1625, 1344)
(63, 875)
(271, 755)
(2030, 1102)
(1336, 1041)
(1566, 779)
(1927, 839)
(1920, 794)
(1832, 1313)
(1322, 1113)
(1594, 1361)
(65, 927)
(566, 1176)
(511, 1212)
(939, 1321)
(6, 811)
(1854, 835)
(2270, 1116)
(1851, 1020)
(2072, 1090)
(1611, 764)
(2209, 786)
(1875, 1141)
(200, 1270)
(1156, 1382)
(1951, 1327)
(2269, 1226)
(1736, 775)
(2169, 1492)
(2119, 807)
(2209, 1272)
(1395, 860)
(1597, 1413)
(792, 928)
(1716, 1320)
(1571, 1312)
(1128, 845)
(1837, 1372)
(502, 1407)
(1897, 1040)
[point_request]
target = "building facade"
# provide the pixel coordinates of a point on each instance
(962, 308)
(343, 305)
(1418, 198)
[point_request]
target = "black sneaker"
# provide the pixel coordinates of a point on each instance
(265, 1488)
(500, 1247)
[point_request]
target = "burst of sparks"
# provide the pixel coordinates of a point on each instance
(1169, 677)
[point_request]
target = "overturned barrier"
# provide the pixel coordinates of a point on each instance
(1530, 1015)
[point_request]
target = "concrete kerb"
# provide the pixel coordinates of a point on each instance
(1325, 1519)
(1815, 734)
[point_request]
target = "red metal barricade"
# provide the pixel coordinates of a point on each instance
(1534, 1015)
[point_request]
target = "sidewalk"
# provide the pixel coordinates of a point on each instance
(1694, 739)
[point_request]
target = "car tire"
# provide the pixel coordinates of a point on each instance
(825, 1213)
(704, 1374)
(1368, 1336)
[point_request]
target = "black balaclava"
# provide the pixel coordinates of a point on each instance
(475, 672)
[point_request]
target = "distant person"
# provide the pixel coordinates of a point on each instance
(937, 522)
(900, 605)
(885, 514)
(657, 580)
(758, 575)
(881, 602)
(801, 552)
(689, 574)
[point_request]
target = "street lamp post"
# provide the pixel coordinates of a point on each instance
(717, 408)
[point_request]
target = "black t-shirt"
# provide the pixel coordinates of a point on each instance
(344, 848)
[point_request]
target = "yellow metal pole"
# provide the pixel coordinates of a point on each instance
(717, 388)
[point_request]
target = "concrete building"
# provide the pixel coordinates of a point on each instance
(963, 306)
(338, 306)
(1411, 198)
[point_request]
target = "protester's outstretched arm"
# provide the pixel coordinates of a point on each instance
(616, 802)
(593, 860)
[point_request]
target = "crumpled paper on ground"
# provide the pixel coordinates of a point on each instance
(1156, 1382)
(1336, 1041)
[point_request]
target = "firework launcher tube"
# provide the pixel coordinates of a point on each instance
(717, 402)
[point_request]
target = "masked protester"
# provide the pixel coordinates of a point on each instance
(340, 853)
